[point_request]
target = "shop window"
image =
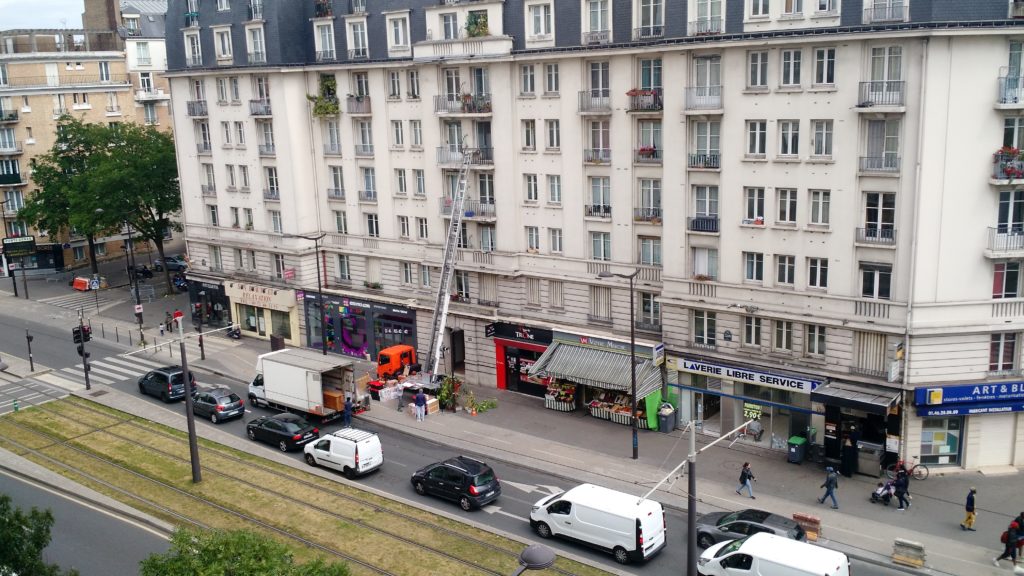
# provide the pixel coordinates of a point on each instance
(940, 440)
(704, 328)
(281, 324)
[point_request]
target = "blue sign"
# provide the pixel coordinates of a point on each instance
(971, 394)
(968, 409)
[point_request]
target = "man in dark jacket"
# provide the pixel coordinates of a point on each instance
(901, 485)
(830, 485)
(746, 476)
(346, 415)
(968, 523)
(1010, 552)
(421, 405)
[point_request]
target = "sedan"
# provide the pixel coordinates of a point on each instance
(286, 431)
(217, 404)
(172, 263)
(721, 526)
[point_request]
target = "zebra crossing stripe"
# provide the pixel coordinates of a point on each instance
(119, 370)
(54, 379)
(95, 369)
(76, 371)
(134, 362)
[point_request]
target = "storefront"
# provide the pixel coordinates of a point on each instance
(356, 327)
(214, 298)
(516, 348)
(264, 311)
(593, 374)
(989, 411)
(862, 425)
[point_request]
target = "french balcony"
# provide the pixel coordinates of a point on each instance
(358, 105)
(648, 33)
(361, 53)
(193, 61)
(149, 94)
(323, 9)
(1008, 167)
(704, 98)
(454, 156)
(8, 116)
(144, 61)
(470, 209)
(598, 319)
(882, 93)
(708, 161)
(256, 58)
(364, 150)
(332, 149)
(886, 13)
(336, 194)
(358, 6)
(209, 190)
(1011, 89)
(369, 196)
(204, 148)
(255, 11)
(10, 179)
(647, 155)
(597, 211)
(197, 108)
(1006, 241)
(645, 100)
(875, 236)
(260, 107)
(706, 224)
(648, 214)
(191, 19)
(596, 37)
(59, 111)
(272, 194)
(595, 102)
(597, 155)
(706, 27)
(268, 150)
(1017, 9)
(113, 110)
(650, 325)
(888, 164)
(10, 148)
(326, 56)
(459, 104)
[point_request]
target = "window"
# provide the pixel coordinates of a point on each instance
(1002, 355)
(753, 266)
(551, 79)
(248, 217)
(413, 81)
(600, 246)
(462, 284)
(757, 65)
(824, 66)
(792, 6)
(598, 13)
(789, 137)
(751, 331)
(879, 215)
(1006, 280)
(229, 171)
(485, 188)
(397, 134)
(876, 280)
(540, 21)
(394, 85)
(600, 196)
(600, 303)
(450, 26)
(416, 130)
(791, 67)
(257, 55)
(554, 189)
(243, 176)
(340, 222)
(757, 142)
(488, 238)
(421, 181)
(706, 199)
(529, 134)
(526, 80)
(425, 276)
(400, 185)
(399, 36)
(555, 237)
(422, 231)
(372, 226)
(822, 143)
(553, 134)
(556, 296)
(820, 200)
(532, 194)
(344, 271)
(783, 340)
(815, 340)
(225, 130)
(407, 275)
(785, 270)
(235, 90)
(883, 145)
(704, 328)
(271, 179)
(787, 206)
(223, 38)
(754, 206)
(532, 238)
(705, 263)
(826, 5)
(357, 40)
(817, 272)
(275, 221)
(649, 200)
(650, 310)
(650, 251)
(759, 8)
(403, 226)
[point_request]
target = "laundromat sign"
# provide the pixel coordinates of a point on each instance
(749, 376)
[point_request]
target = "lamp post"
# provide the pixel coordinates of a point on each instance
(632, 352)
(133, 277)
(319, 286)
(3, 212)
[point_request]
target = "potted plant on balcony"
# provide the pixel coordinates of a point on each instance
(326, 102)
(647, 152)
(476, 25)
(702, 278)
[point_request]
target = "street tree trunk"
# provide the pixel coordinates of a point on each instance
(92, 254)
(167, 273)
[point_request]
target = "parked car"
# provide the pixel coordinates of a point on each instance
(217, 404)
(462, 479)
(351, 451)
(165, 383)
(770, 555)
(172, 263)
(716, 527)
(286, 431)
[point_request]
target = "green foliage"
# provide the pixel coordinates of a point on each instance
(326, 102)
(448, 393)
(238, 552)
(22, 540)
(485, 405)
(476, 24)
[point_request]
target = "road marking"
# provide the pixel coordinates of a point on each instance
(497, 510)
(116, 369)
(96, 369)
(77, 371)
(134, 362)
(51, 378)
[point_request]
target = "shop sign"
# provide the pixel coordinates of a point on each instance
(749, 376)
(375, 306)
(519, 332)
(969, 409)
(996, 392)
(208, 286)
(261, 296)
(19, 246)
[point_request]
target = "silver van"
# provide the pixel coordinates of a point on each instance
(351, 451)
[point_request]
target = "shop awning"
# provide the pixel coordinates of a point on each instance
(599, 368)
(874, 399)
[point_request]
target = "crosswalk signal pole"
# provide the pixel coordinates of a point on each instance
(81, 348)
(193, 445)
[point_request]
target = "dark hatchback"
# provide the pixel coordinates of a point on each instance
(717, 527)
(165, 383)
(286, 431)
(217, 404)
(462, 479)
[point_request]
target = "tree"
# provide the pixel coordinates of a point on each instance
(22, 540)
(237, 552)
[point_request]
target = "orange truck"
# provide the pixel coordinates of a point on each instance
(391, 361)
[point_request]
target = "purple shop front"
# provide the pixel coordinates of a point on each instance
(357, 327)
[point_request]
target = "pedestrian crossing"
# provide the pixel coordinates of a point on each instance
(84, 301)
(19, 393)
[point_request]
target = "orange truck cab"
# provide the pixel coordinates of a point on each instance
(392, 361)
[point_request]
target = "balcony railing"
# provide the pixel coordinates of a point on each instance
(597, 210)
(874, 235)
(255, 10)
(470, 208)
(113, 109)
(335, 193)
(260, 107)
(358, 6)
(7, 179)
(8, 116)
(1006, 238)
(455, 155)
(257, 57)
(364, 150)
(143, 60)
(368, 196)
(208, 189)
(66, 80)
(323, 9)
(647, 214)
(645, 100)
(1011, 87)
(595, 101)
(150, 94)
(882, 93)
(193, 61)
(881, 13)
(1017, 9)
(648, 32)
(648, 325)
(704, 98)
(702, 224)
(60, 111)
(711, 161)
(597, 155)
(197, 108)
(326, 56)
(889, 163)
(462, 104)
(10, 147)
(267, 150)
(332, 149)
(358, 105)
(1007, 167)
(597, 37)
(706, 27)
(272, 194)
(358, 53)
(191, 19)
(204, 148)
(647, 155)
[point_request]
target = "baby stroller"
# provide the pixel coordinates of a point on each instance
(883, 493)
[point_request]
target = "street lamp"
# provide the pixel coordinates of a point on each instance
(3, 212)
(319, 286)
(535, 557)
(632, 352)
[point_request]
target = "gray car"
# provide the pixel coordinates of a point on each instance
(217, 404)
(720, 526)
(172, 263)
(165, 383)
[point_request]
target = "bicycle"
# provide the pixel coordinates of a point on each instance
(916, 470)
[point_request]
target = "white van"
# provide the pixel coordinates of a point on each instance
(630, 528)
(764, 554)
(350, 451)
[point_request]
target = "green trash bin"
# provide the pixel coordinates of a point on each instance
(797, 449)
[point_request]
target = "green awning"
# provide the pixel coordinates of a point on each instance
(595, 367)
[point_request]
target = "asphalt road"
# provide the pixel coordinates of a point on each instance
(93, 541)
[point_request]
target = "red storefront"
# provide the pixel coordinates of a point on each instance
(516, 348)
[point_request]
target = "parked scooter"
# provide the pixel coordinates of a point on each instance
(234, 332)
(142, 271)
(180, 283)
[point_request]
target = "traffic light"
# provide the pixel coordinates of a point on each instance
(82, 352)
(86, 333)
(76, 334)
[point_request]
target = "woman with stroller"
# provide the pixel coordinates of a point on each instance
(883, 493)
(901, 486)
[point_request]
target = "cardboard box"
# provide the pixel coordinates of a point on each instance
(432, 406)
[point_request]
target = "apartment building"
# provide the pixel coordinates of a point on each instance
(804, 192)
(45, 74)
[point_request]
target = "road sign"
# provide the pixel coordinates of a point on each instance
(17, 246)
(178, 314)
(659, 354)
(138, 308)
(94, 284)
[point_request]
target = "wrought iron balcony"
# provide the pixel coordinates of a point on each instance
(358, 105)
(462, 103)
(882, 93)
(10, 148)
(8, 116)
(1011, 87)
(702, 224)
(260, 107)
(364, 150)
(649, 325)
(257, 57)
(361, 53)
(335, 193)
(191, 19)
(268, 150)
(706, 27)
(595, 102)
(10, 179)
(597, 37)
(1007, 166)
(197, 108)
(647, 155)
(645, 100)
(454, 155)
(710, 161)
(326, 56)
(272, 194)
(204, 148)
(890, 163)
(323, 9)
(193, 61)
(875, 235)
(648, 33)
(704, 98)
(886, 13)
(597, 155)
(332, 149)
(597, 210)
(255, 10)
(368, 196)
(647, 214)
(208, 189)
(470, 208)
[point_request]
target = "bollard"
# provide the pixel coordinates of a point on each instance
(117, 335)
(908, 553)
(103, 331)
(810, 524)
(16, 407)
(130, 338)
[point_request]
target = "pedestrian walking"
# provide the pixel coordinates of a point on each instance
(1010, 550)
(968, 523)
(900, 485)
(346, 415)
(421, 405)
(830, 485)
(746, 477)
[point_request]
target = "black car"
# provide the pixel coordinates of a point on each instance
(286, 431)
(465, 480)
(217, 404)
(165, 383)
(717, 527)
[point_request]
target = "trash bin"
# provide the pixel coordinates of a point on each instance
(666, 418)
(797, 448)
(869, 458)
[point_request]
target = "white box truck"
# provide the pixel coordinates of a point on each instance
(306, 381)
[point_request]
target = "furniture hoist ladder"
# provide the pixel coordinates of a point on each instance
(451, 245)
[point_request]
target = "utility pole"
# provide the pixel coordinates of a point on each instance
(31, 363)
(193, 444)
(80, 338)
(202, 317)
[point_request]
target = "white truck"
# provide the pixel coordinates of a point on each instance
(306, 381)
